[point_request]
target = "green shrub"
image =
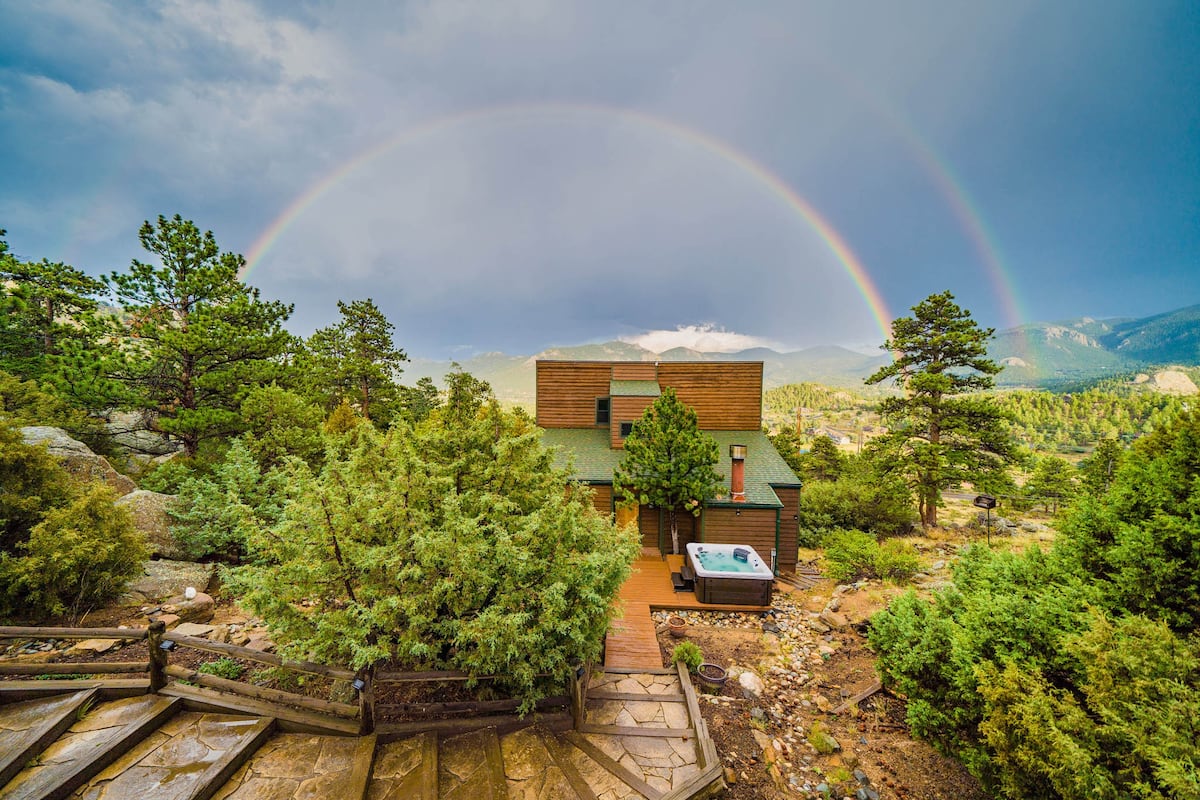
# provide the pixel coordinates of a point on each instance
(860, 500)
(77, 557)
(850, 555)
(896, 560)
(687, 653)
(222, 668)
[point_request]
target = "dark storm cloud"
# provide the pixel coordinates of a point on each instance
(1071, 127)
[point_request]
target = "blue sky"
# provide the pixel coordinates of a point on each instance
(562, 172)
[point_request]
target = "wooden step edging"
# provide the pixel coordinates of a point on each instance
(100, 757)
(359, 781)
(250, 654)
(220, 771)
(619, 772)
(601, 694)
(42, 735)
(875, 687)
(429, 766)
(109, 688)
(558, 754)
(503, 723)
(633, 730)
(290, 720)
(76, 668)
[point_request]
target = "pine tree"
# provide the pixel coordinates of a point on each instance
(41, 305)
(668, 462)
(939, 435)
(197, 338)
(357, 360)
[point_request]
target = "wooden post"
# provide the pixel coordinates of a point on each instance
(158, 656)
(366, 701)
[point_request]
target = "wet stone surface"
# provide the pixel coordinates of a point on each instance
(294, 765)
(397, 772)
(531, 771)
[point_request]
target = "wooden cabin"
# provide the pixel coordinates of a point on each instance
(587, 408)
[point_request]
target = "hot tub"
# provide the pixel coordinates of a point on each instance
(730, 573)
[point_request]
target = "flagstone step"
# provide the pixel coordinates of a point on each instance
(27, 728)
(406, 769)
(96, 739)
(305, 765)
(189, 757)
(471, 767)
(532, 768)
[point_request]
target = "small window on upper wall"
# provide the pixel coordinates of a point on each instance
(603, 404)
(626, 429)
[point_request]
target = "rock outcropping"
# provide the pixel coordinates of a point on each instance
(77, 458)
(150, 516)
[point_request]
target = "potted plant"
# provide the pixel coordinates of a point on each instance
(711, 676)
(677, 625)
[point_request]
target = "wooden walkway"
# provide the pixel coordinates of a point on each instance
(631, 640)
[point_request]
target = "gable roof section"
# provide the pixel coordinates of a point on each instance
(595, 461)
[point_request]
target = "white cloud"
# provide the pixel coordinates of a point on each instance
(706, 338)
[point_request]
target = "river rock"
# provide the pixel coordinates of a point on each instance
(77, 458)
(752, 685)
(150, 516)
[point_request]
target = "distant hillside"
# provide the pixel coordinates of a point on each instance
(1071, 353)
(1171, 338)
(1077, 351)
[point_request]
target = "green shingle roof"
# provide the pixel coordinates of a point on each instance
(595, 460)
(634, 389)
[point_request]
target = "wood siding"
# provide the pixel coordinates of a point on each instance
(567, 392)
(602, 499)
(727, 395)
(626, 409)
(635, 371)
(648, 522)
(755, 527)
(789, 527)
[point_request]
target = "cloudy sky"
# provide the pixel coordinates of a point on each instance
(511, 175)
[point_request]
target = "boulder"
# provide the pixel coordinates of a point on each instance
(134, 430)
(167, 578)
(833, 619)
(77, 458)
(149, 510)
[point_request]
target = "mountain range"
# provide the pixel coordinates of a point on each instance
(1038, 354)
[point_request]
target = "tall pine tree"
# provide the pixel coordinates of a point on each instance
(196, 339)
(939, 434)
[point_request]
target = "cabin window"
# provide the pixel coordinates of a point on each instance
(603, 405)
(626, 429)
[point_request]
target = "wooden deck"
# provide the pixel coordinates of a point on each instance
(631, 640)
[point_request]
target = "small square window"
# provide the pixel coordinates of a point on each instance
(626, 429)
(603, 404)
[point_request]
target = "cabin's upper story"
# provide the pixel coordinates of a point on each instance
(611, 395)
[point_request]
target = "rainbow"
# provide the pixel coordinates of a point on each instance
(703, 141)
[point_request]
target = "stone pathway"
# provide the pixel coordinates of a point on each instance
(642, 739)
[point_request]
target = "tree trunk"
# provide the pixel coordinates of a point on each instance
(674, 533)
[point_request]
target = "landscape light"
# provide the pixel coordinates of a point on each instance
(359, 684)
(166, 645)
